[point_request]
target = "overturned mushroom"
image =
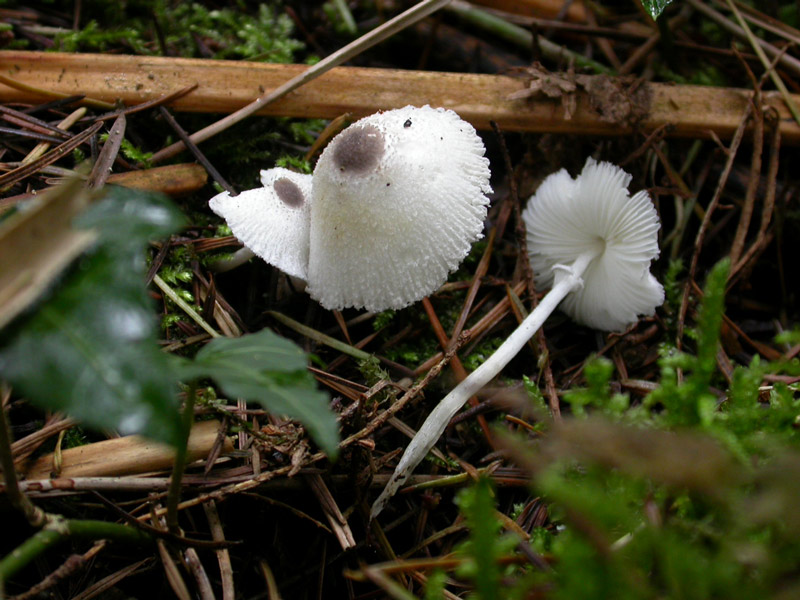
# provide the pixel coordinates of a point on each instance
(272, 221)
(399, 198)
(593, 243)
(592, 228)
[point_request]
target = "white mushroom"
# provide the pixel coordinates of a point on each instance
(399, 198)
(272, 221)
(593, 242)
(594, 216)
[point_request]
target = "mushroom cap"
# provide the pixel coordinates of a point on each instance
(273, 221)
(399, 198)
(568, 217)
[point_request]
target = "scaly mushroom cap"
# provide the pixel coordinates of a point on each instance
(399, 198)
(273, 221)
(566, 218)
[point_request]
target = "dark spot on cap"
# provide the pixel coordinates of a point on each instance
(358, 149)
(288, 192)
(407, 124)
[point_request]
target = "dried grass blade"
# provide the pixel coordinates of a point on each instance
(223, 555)
(173, 180)
(55, 154)
(102, 168)
(108, 582)
(319, 337)
(752, 183)
(335, 518)
(187, 308)
(767, 208)
(127, 455)
(173, 573)
(68, 122)
(195, 566)
(704, 225)
(25, 120)
(18, 85)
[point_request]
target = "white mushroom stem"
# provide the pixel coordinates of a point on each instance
(568, 279)
(237, 259)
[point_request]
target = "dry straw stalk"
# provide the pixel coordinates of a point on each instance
(224, 86)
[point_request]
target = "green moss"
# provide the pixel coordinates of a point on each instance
(294, 163)
(74, 437)
(189, 30)
(483, 351)
(383, 319)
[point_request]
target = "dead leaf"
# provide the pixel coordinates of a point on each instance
(618, 100)
(553, 85)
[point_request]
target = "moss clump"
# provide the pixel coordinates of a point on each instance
(184, 29)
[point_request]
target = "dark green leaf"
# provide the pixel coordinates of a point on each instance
(89, 350)
(258, 352)
(655, 7)
(270, 370)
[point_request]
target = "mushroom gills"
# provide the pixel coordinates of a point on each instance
(272, 221)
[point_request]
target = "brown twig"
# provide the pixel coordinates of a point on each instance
(155, 102)
(223, 555)
(712, 205)
(49, 158)
(337, 521)
(754, 178)
(693, 111)
(767, 208)
(489, 320)
(196, 152)
(107, 156)
(455, 363)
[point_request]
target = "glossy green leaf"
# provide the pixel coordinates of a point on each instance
(268, 369)
(254, 352)
(655, 7)
(89, 349)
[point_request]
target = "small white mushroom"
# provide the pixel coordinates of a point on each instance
(272, 221)
(594, 217)
(593, 243)
(399, 198)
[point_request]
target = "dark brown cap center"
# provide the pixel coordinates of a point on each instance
(358, 149)
(288, 192)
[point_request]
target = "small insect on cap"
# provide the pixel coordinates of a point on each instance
(569, 217)
(399, 198)
(273, 221)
